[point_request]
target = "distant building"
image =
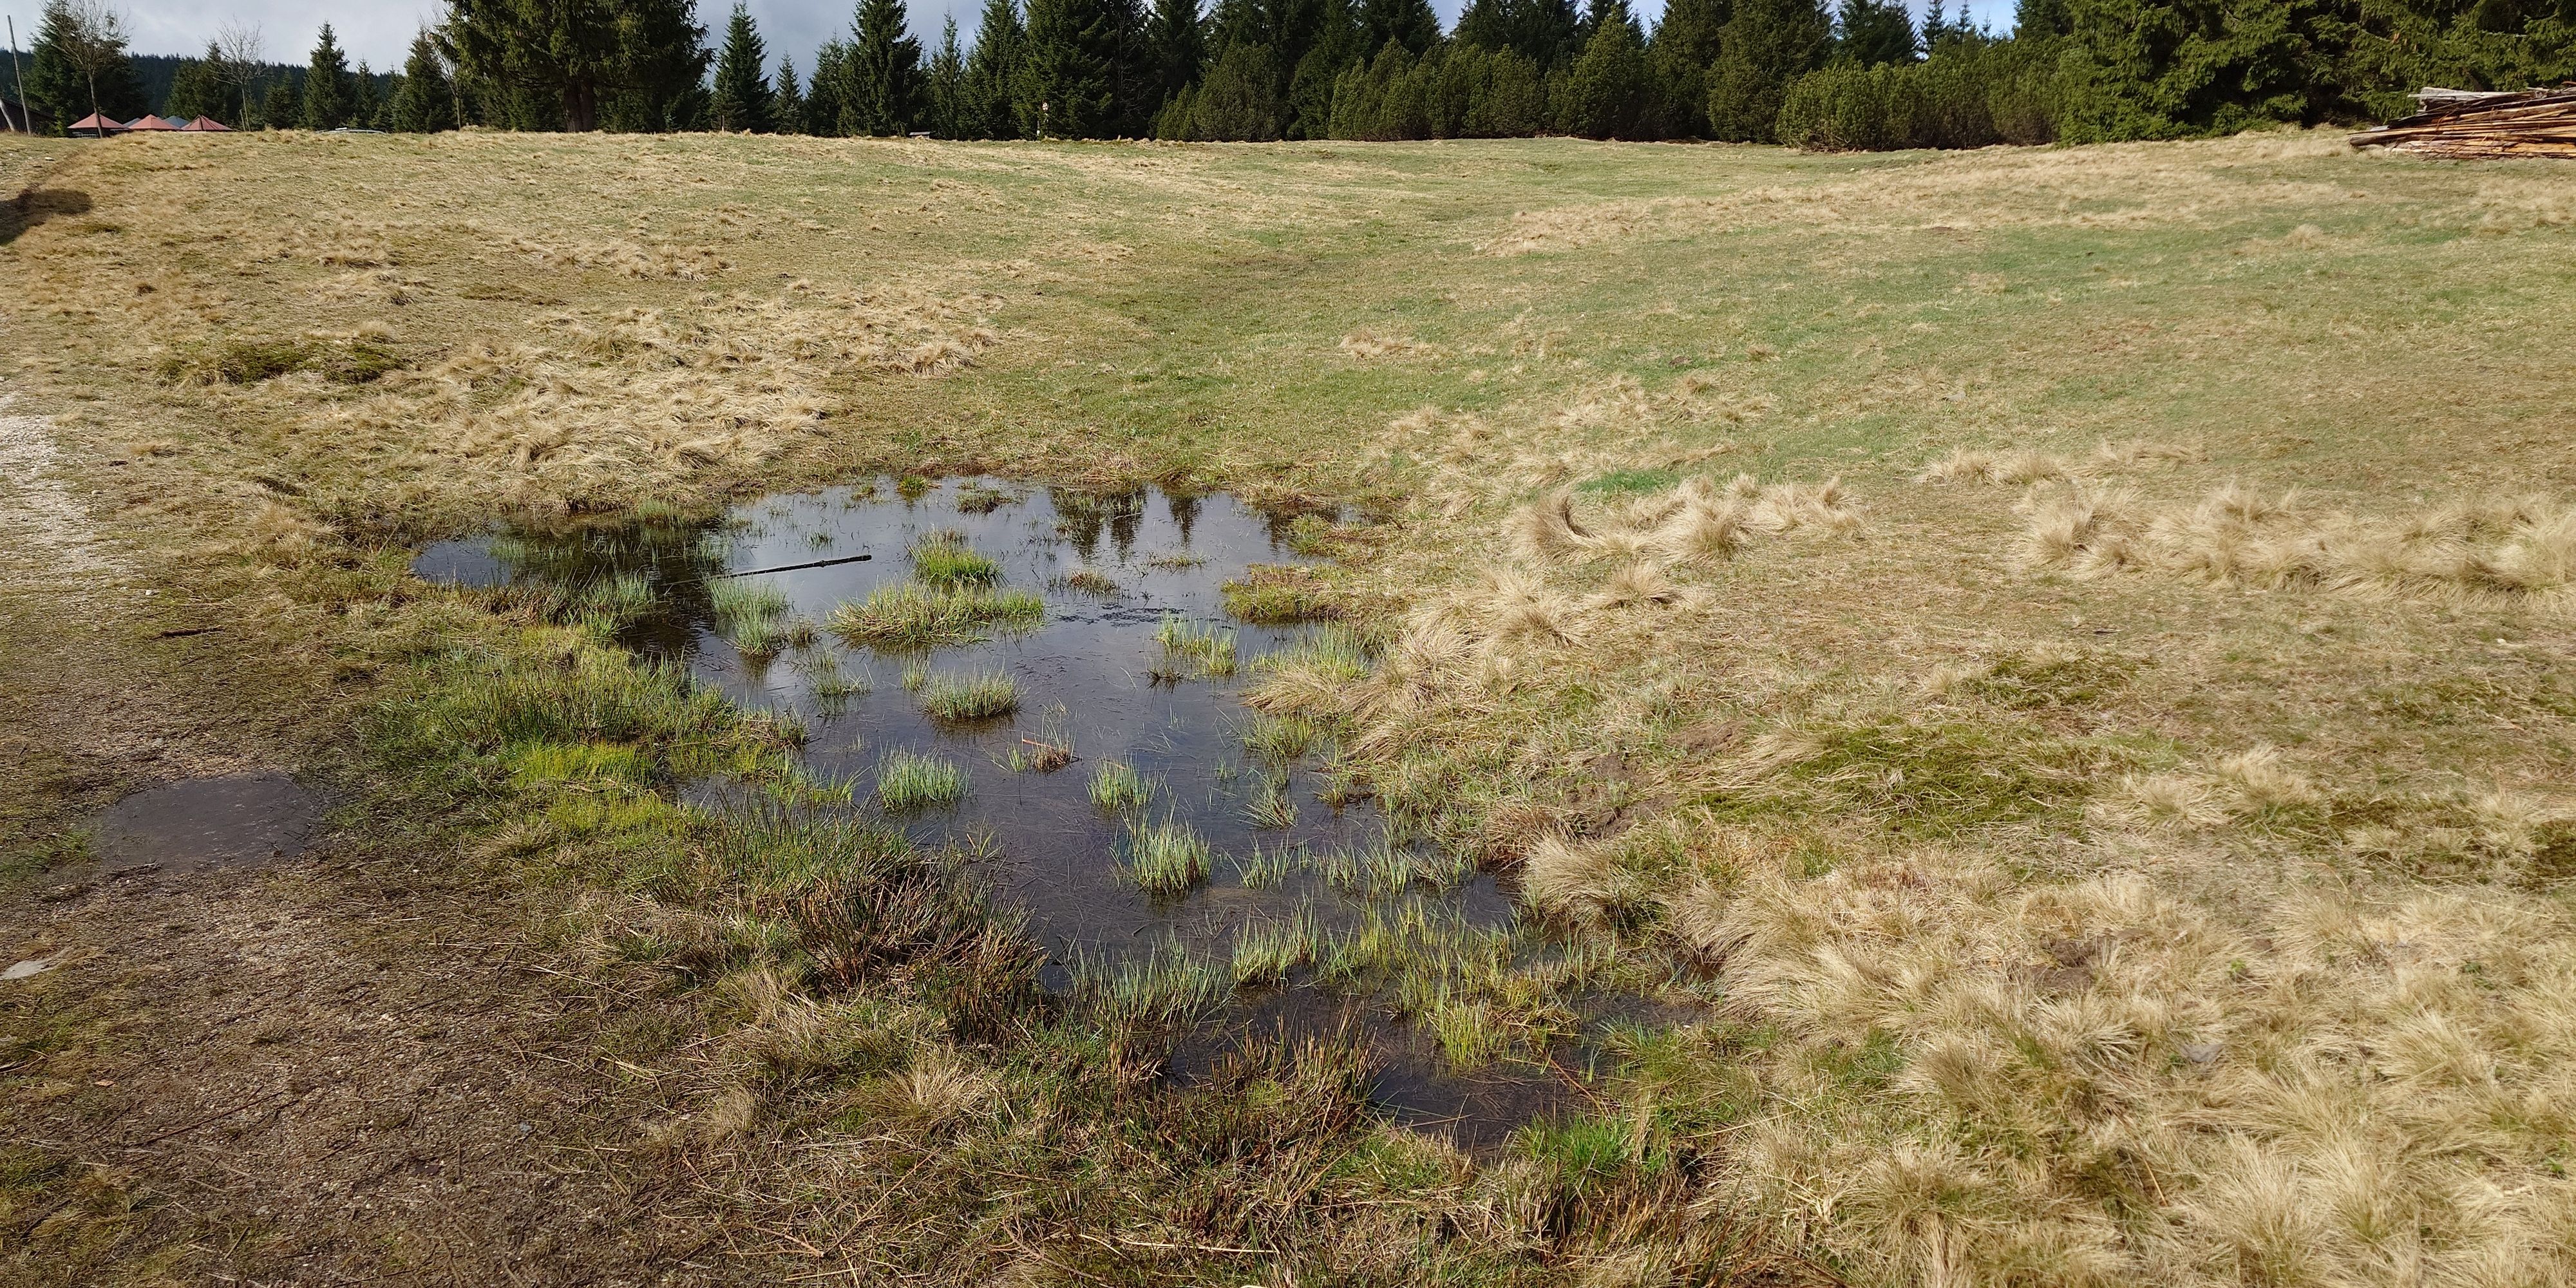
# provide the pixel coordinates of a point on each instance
(94, 126)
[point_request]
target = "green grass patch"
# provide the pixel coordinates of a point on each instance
(911, 781)
(1629, 482)
(1274, 594)
(249, 362)
(910, 615)
(979, 696)
(1117, 788)
(1206, 650)
(2020, 682)
(1165, 858)
(944, 559)
(1932, 778)
(1265, 951)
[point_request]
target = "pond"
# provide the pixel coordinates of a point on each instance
(1087, 736)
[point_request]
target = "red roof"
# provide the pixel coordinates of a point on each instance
(147, 121)
(208, 125)
(94, 121)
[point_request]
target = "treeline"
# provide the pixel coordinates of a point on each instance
(1861, 75)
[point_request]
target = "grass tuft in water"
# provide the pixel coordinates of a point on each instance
(1279, 740)
(1270, 594)
(1377, 871)
(1167, 988)
(910, 781)
(1207, 649)
(737, 601)
(1165, 858)
(1091, 582)
(1117, 788)
(944, 559)
(909, 615)
(1271, 806)
(1264, 952)
(1263, 869)
(968, 697)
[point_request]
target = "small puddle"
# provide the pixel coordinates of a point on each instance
(1119, 577)
(202, 823)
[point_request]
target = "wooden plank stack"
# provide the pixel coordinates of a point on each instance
(2470, 124)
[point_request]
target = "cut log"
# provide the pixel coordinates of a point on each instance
(2481, 124)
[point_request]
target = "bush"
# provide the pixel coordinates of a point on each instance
(1452, 92)
(1969, 94)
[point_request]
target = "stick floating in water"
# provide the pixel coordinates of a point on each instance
(818, 563)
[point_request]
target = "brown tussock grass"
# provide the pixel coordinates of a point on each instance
(1696, 520)
(2281, 1117)
(1373, 344)
(2238, 535)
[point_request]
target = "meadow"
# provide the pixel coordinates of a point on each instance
(2049, 667)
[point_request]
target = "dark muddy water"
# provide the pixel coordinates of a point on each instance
(1094, 676)
(208, 822)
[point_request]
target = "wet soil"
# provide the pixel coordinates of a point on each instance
(285, 1075)
(202, 823)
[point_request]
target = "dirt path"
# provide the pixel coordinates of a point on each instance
(47, 543)
(310, 1072)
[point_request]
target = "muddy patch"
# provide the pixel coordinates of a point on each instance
(203, 823)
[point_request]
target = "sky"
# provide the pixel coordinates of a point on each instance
(380, 31)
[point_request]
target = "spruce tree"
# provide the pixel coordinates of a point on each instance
(427, 100)
(1765, 45)
(282, 107)
(1134, 87)
(366, 107)
(1335, 45)
(328, 94)
(1869, 33)
(742, 99)
(825, 92)
(787, 108)
(1679, 54)
(658, 68)
(885, 82)
(993, 69)
(1409, 23)
(945, 109)
(80, 67)
(1179, 41)
(197, 89)
(574, 64)
(1067, 85)
(1607, 90)
(1688, 31)
(1239, 101)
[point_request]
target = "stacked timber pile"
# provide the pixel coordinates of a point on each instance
(2467, 123)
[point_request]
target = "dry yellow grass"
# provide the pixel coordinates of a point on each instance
(2131, 847)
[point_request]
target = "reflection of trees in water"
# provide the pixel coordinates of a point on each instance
(1082, 516)
(1185, 513)
(650, 574)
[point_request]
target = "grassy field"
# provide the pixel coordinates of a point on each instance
(2054, 663)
